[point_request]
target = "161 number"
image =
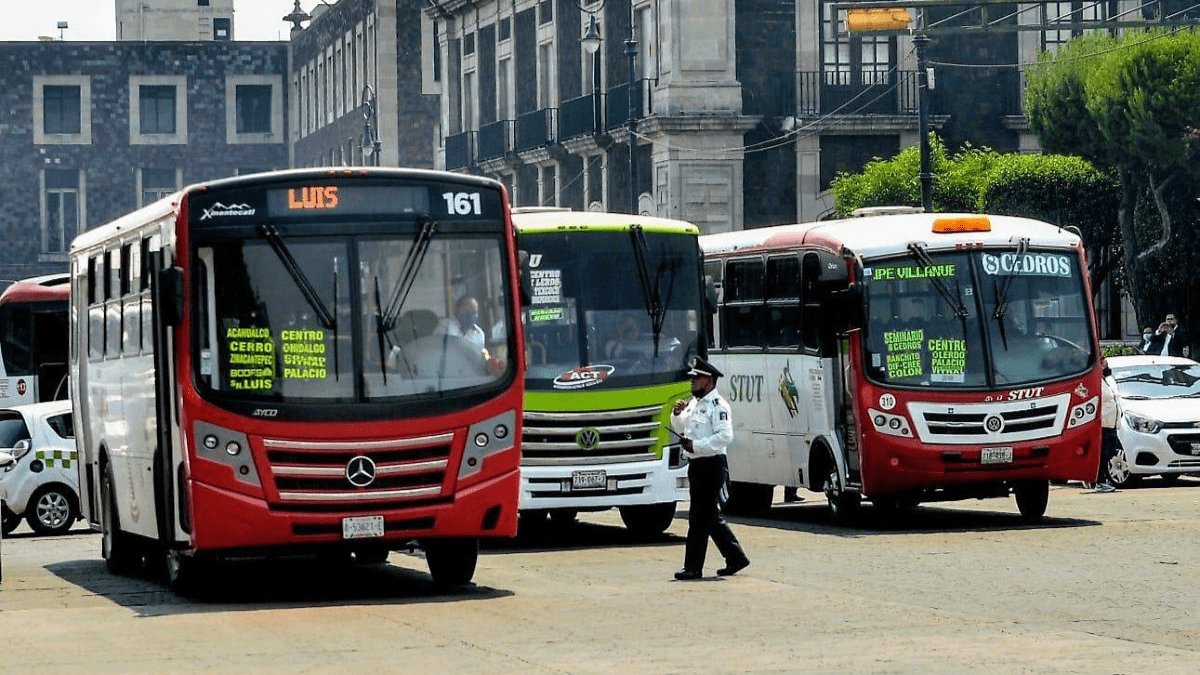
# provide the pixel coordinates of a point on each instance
(463, 203)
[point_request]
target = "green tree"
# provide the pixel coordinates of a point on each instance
(1130, 103)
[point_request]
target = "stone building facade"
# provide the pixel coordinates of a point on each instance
(744, 110)
(355, 57)
(174, 20)
(91, 131)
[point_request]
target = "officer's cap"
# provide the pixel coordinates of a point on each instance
(702, 368)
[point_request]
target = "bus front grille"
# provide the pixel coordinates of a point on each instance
(592, 437)
(996, 422)
(372, 473)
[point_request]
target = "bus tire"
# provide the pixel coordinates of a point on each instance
(451, 561)
(843, 504)
(1032, 497)
(120, 552)
(749, 499)
(52, 510)
(648, 520)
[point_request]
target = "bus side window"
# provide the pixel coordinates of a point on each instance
(743, 312)
(811, 300)
(95, 308)
(783, 300)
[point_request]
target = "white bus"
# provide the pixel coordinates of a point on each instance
(907, 358)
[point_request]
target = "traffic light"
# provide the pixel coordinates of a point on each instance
(891, 18)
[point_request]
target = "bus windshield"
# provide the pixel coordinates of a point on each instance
(615, 308)
(366, 317)
(976, 319)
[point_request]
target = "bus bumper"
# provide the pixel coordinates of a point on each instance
(229, 522)
(554, 487)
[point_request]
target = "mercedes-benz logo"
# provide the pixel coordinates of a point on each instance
(360, 471)
(588, 438)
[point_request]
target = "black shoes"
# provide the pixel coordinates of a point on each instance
(733, 568)
(688, 575)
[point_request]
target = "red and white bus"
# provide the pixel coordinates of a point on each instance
(33, 340)
(907, 358)
(262, 365)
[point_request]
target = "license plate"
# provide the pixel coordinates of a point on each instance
(589, 480)
(996, 456)
(362, 527)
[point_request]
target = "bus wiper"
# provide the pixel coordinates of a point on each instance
(654, 304)
(271, 234)
(1001, 293)
(918, 252)
(408, 274)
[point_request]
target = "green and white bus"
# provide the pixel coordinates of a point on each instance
(616, 316)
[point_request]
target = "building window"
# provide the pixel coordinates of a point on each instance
(546, 75)
(503, 84)
(468, 102)
(1068, 15)
(222, 32)
(545, 12)
(202, 3)
(505, 28)
(856, 60)
(253, 109)
(61, 109)
(468, 44)
(157, 108)
(61, 210)
(156, 184)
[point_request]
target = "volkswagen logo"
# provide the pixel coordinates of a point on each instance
(360, 471)
(994, 424)
(588, 438)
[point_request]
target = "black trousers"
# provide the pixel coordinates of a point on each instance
(706, 475)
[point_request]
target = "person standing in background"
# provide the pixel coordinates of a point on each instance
(705, 428)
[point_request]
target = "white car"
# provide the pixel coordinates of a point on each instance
(43, 484)
(1159, 426)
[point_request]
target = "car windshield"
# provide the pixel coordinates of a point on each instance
(611, 308)
(1163, 380)
(976, 319)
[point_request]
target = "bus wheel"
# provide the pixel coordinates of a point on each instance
(451, 561)
(648, 520)
(749, 498)
(52, 510)
(120, 552)
(1031, 498)
(843, 505)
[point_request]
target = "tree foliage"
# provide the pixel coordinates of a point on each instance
(1130, 103)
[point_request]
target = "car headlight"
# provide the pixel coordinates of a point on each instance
(1141, 424)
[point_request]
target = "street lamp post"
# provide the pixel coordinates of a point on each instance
(920, 41)
(371, 146)
(631, 50)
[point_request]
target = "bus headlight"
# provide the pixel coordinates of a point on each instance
(892, 425)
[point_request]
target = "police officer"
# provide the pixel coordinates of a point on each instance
(705, 426)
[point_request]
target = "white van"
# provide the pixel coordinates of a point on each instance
(42, 485)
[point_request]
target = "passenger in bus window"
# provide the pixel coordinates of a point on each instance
(465, 322)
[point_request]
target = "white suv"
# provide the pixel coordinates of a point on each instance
(43, 484)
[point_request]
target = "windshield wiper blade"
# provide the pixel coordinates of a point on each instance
(918, 252)
(408, 274)
(1001, 293)
(654, 304)
(324, 316)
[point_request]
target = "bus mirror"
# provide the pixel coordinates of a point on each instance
(170, 295)
(710, 295)
(526, 278)
(848, 302)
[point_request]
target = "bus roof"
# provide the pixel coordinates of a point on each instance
(543, 219)
(38, 289)
(168, 205)
(881, 235)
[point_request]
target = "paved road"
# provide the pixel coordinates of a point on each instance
(1105, 584)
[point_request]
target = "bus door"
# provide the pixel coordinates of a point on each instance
(826, 315)
(761, 448)
(786, 367)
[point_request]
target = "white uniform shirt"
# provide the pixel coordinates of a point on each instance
(474, 334)
(708, 422)
(1109, 406)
